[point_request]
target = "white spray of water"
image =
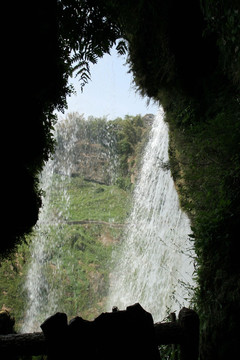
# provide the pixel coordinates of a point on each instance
(154, 264)
(44, 286)
(46, 244)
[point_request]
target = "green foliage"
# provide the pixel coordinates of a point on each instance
(91, 201)
(85, 253)
(130, 140)
(79, 255)
(204, 157)
(124, 183)
(13, 272)
(169, 352)
(83, 257)
(223, 21)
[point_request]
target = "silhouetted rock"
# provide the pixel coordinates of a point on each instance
(55, 329)
(6, 323)
(127, 334)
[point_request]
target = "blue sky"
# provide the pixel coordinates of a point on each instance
(110, 92)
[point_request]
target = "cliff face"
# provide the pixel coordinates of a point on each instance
(192, 67)
(204, 157)
(92, 162)
(99, 160)
(104, 150)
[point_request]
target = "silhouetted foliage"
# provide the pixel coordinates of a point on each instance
(54, 39)
(88, 31)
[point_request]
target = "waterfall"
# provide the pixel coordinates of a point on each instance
(46, 244)
(52, 257)
(153, 265)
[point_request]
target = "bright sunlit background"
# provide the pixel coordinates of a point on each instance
(110, 92)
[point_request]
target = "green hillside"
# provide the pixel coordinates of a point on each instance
(94, 201)
(78, 260)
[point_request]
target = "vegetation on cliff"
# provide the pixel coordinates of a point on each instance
(104, 159)
(188, 57)
(205, 164)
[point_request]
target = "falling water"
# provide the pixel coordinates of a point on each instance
(42, 295)
(154, 264)
(50, 251)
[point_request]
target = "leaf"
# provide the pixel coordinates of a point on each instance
(122, 47)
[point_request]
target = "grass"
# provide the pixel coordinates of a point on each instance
(78, 255)
(91, 201)
(86, 249)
